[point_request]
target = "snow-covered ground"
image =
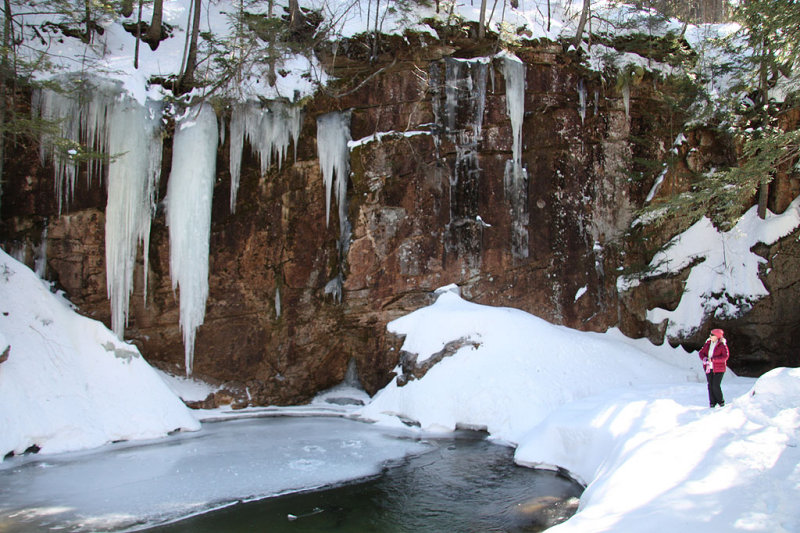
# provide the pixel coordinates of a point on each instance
(627, 418)
(69, 383)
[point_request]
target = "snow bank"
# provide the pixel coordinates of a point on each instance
(69, 383)
(513, 368)
(655, 464)
(627, 418)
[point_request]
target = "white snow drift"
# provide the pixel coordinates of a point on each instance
(68, 382)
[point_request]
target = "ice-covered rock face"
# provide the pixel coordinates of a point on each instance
(433, 196)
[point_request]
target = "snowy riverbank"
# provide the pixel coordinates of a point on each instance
(626, 417)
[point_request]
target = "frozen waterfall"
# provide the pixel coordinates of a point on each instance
(515, 178)
(268, 130)
(134, 137)
(189, 194)
(459, 101)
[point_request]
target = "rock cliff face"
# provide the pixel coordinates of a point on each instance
(438, 194)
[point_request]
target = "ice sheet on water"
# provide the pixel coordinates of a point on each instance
(126, 485)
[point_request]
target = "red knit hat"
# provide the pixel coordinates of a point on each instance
(718, 333)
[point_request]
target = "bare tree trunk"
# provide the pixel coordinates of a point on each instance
(763, 186)
(587, 6)
(375, 41)
(4, 76)
(482, 21)
(88, 12)
(138, 37)
(187, 78)
(153, 36)
(296, 17)
(126, 8)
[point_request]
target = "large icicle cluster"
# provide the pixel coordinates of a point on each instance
(134, 136)
(189, 193)
(268, 130)
(80, 121)
(106, 121)
(515, 178)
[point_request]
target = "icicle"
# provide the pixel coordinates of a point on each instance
(514, 72)
(80, 121)
(515, 178)
(582, 100)
(626, 98)
(134, 135)
(278, 302)
(40, 256)
(189, 194)
(333, 134)
(237, 144)
(268, 130)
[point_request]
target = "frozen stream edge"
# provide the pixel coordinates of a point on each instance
(135, 485)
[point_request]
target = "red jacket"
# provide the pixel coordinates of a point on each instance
(719, 358)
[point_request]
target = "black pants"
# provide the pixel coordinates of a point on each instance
(715, 388)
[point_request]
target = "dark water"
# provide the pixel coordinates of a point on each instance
(466, 484)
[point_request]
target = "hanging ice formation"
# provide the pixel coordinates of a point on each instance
(80, 121)
(626, 98)
(111, 124)
(582, 100)
(268, 130)
(189, 193)
(515, 178)
(134, 133)
(333, 134)
(40, 255)
(459, 114)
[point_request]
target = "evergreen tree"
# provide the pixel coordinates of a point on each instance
(769, 42)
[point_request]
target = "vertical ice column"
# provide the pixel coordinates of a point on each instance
(582, 100)
(268, 130)
(189, 194)
(515, 178)
(333, 134)
(134, 137)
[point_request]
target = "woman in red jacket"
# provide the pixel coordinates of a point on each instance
(714, 355)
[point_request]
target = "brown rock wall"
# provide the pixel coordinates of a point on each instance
(270, 328)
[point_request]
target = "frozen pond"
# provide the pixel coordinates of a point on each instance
(136, 485)
(465, 484)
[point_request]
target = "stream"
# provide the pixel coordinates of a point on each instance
(285, 474)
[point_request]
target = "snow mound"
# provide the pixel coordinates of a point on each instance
(656, 463)
(69, 383)
(513, 368)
